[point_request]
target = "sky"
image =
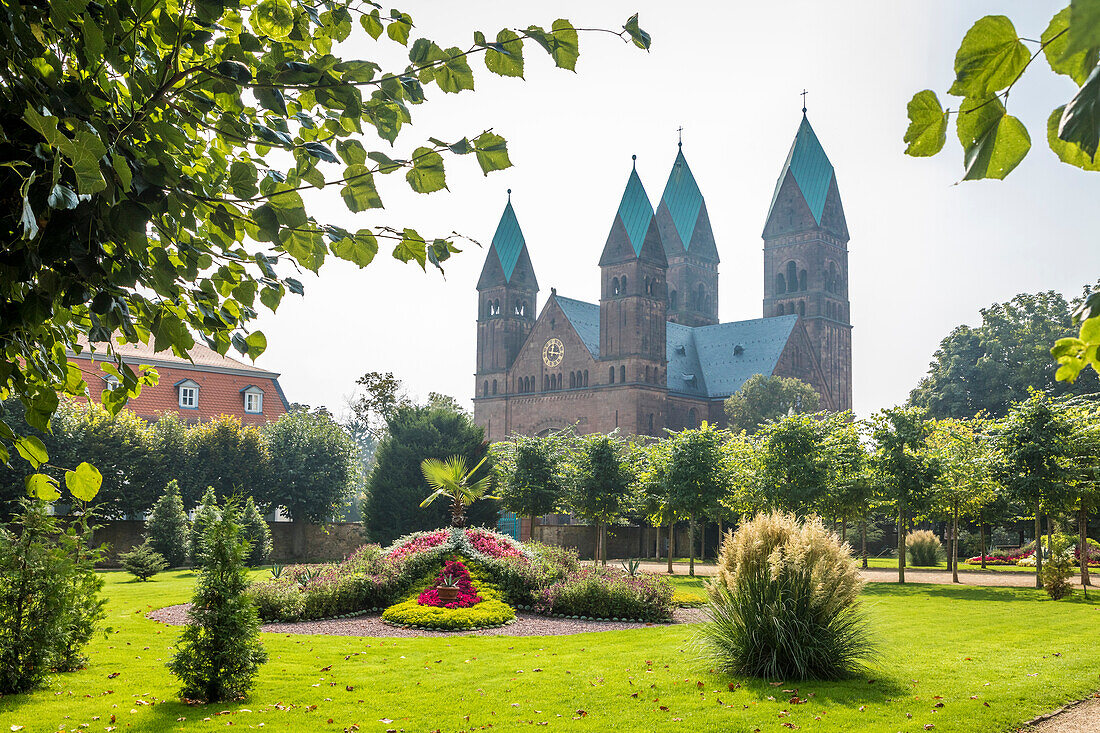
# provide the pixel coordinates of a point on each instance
(926, 252)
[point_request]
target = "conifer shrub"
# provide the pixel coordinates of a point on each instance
(923, 549)
(255, 530)
(219, 652)
(784, 604)
(167, 527)
(205, 514)
(143, 562)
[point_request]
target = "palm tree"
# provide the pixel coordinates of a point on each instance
(451, 479)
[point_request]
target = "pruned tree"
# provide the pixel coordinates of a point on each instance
(528, 474)
(697, 476)
(601, 486)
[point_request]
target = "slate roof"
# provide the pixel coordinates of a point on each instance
(811, 169)
(508, 241)
(701, 360)
(683, 198)
(585, 318)
(635, 211)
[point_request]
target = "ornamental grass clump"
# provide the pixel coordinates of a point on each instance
(785, 603)
(924, 549)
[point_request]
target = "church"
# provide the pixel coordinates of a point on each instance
(652, 354)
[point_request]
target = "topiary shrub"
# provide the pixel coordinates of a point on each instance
(923, 549)
(255, 530)
(785, 603)
(166, 529)
(143, 562)
(219, 652)
(603, 592)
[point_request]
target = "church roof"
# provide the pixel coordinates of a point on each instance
(683, 198)
(635, 211)
(811, 169)
(508, 241)
(585, 318)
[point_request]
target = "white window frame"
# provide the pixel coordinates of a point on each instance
(111, 382)
(189, 391)
(256, 395)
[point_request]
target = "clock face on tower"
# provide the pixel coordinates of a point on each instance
(553, 351)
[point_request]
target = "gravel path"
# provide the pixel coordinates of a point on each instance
(1082, 717)
(527, 624)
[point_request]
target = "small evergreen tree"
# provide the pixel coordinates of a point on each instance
(166, 528)
(143, 562)
(205, 514)
(219, 652)
(255, 530)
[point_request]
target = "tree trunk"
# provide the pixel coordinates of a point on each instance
(1038, 546)
(691, 545)
(671, 544)
(1050, 537)
(901, 545)
(703, 541)
(863, 541)
(844, 529)
(721, 535)
(955, 544)
(981, 542)
(1083, 551)
(532, 536)
(603, 544)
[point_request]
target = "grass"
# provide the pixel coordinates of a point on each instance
(1016, 652)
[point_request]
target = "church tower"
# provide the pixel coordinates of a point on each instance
(689, 248)
(633, 294)
(806, 258)
(506, 304)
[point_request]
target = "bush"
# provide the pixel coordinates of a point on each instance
(923, 549)
(785, 603)
(49, 597)
(603, 592)
(205, 515)
(255, 530)
(219, 652)
(143, 562)
(166, 529)
(1057, 571)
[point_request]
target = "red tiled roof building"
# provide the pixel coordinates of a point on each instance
(206, 386)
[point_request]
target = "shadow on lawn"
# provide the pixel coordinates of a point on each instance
(865, 689)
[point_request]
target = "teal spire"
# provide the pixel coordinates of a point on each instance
(508, 241)
(635, 211)
(683, 198)
(811, 169)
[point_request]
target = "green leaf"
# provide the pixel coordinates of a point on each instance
(242, 179)
(454, 74)
(360, 248)
(84, 482)
(234, 70)
(1080, 123)
(32, 450)
(351, 151)
(122, 170)
(386, 164)
(62, 197)
(359, 192)
(257, 344)
(492, 152)
(989, 59)
(319, 151)
(399, 27)
(411, 247)
(993, 142)
(927, 125)
(427, 173)
(28, 220)
(271, 98)
(566, 48)
(1084, 26)
(1055, 38)
(372, 24)
(273, 18)
(63, 12)
(84, 153)
(42, 486)
(307, 247)
(294, 286)
(45, 125)
(505, 57)
(641, 38)
(1067, 152)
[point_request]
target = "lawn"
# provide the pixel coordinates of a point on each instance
(993, 657)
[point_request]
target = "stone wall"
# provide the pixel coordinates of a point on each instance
(622, 542)
(293, 542)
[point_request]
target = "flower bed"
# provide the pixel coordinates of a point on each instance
(421, 609)
(475, 543)
(467, 595)
(602, 592)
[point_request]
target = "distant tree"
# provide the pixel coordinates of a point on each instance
(168, 452)
(205, 515)
(314, 466)
(601, 486)
(1084, 479)
(376, 401)
(697, 476)
(396, 485)
(988, 367)
(906, 471)
(656, 506)
(850, 490)
(255, 531)
(761, 399)
(1034, 442)
(231, 457)
(794, 466)
(166, 529)
(528, 475)
(143, 562)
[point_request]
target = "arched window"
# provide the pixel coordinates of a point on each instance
(792, 276)
(623, 285)
(647, 375)
(802, 280)
(485, 388)
(615, 286)
(780, 284)
(611, 375)
(779, 309)
(494, 386)
(585, 377)
(672, 300)
(622, 374)
(691, 418)
(559, 380)
(496, 307)
(572, 379)
(546, 383)
(802, 308)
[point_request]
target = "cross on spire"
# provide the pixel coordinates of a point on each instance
(680, 132)
(803, 101)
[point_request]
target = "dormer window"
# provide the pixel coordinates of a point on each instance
(110, 382)
(188, 394)
(253, 399)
